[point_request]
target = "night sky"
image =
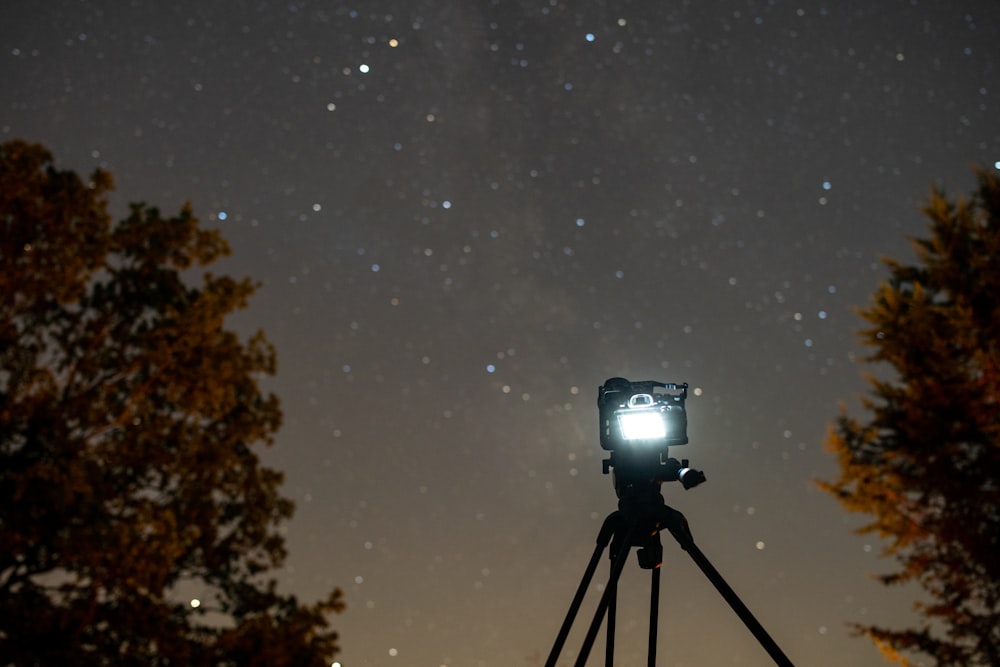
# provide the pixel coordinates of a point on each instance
(467, 214)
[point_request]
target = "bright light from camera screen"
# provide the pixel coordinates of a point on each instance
(642, 426)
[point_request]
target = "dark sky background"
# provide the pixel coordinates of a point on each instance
(467, 214)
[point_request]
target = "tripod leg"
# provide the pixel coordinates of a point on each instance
(678, 527)
(603, 538)
(654, 609)
(617, 565)
(609, 645)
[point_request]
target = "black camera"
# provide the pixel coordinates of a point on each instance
(643, 415)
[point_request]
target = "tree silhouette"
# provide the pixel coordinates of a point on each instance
(926, 463)
(128, 482)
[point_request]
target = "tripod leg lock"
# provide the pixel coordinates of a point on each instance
(650, 556)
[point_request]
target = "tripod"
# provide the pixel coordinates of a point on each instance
(640, 517)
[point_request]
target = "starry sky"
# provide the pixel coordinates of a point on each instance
(467, 214)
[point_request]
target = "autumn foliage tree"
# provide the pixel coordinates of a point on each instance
(129, 483)
(925, 463)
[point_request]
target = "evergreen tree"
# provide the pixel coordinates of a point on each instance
(925, 464)
(128, 416)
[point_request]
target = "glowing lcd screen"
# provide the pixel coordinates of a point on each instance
(643, 425)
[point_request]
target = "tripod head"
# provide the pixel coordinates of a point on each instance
(639, 421)
(640, 472)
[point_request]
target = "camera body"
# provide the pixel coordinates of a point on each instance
(639, 416)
